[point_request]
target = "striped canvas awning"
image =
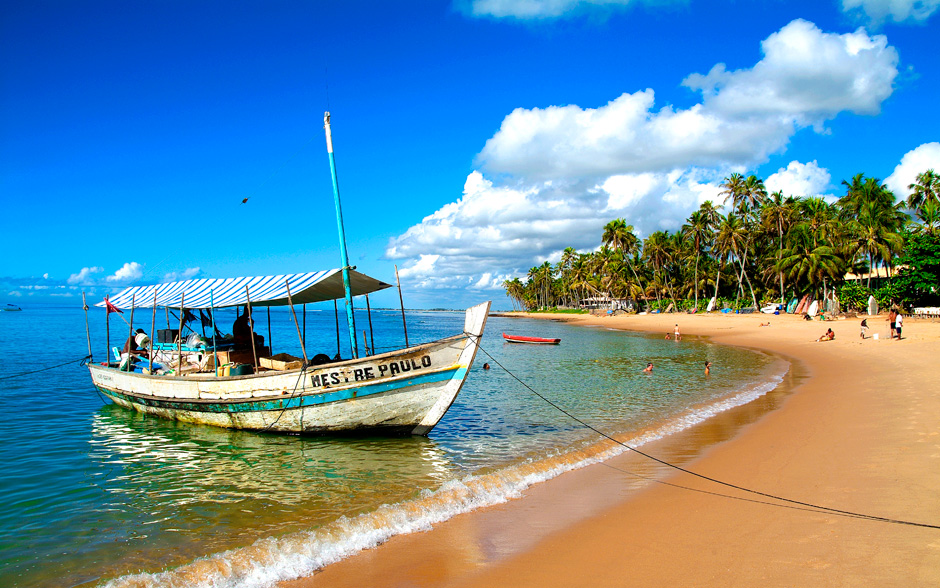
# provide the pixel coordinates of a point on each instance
(263, 290)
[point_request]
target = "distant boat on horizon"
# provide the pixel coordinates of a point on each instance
(11, 308)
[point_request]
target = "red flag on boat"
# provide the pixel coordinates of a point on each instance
(111, 307)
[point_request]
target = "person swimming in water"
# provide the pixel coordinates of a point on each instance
(708, 366)
(649, 368)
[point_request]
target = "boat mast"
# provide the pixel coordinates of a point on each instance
(350, 319)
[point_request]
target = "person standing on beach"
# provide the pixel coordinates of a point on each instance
(678, 336)
(649, 368)
(897, 324)
(892, 317)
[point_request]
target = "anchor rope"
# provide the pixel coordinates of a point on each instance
(81, 362)
(798, 503)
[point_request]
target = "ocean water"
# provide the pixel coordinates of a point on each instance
(96, 495)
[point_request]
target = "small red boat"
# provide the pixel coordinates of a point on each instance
(536, 340)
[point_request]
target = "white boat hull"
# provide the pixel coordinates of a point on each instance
(401, 392)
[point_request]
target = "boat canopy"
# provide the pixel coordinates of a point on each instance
(263, 290)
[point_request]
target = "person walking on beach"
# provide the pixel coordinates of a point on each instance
(892, 317)
(864, 326)
(897, 324)
(678, 336)
(649, 368)
(708, 366)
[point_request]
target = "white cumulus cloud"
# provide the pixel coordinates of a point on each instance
(84, 276)
(879, 11)
(806, 77)
(129, 272)
(565, 171)
(799, 179)
(914, 162)
(544, 9)
(188, 273)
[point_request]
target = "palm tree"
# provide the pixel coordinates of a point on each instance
(658, 250)
(722, 247)
(925, 189)
(515, 289)
(565, 265)
(698, 229)
(778, 212)
(746, 194)
(732, 241)
(607, 267)
(619, 236)
(803, 261)
(754, 194)
(710, 212)
(929, 215)
(871, 215)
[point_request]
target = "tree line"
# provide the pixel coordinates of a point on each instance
(758, 247)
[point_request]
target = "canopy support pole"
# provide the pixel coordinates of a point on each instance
(153, 325)
(251, 325)
(130, 337)
(350, 318)
(336, 314)
(215, 347)
(402, 301)
(270, 338)
(107, 334)
(179, 339)
(369, 314)
(303, 347)
(87, 332)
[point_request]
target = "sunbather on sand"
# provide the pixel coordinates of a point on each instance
(827, 336)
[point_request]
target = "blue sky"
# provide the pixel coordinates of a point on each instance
(474, 139)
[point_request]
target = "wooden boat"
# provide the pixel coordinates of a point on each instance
(534, 340)
(400, 392)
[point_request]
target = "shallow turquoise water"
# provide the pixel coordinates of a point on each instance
(93, 493)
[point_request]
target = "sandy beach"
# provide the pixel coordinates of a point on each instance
(855, 427)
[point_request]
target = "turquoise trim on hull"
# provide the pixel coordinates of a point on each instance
(240, 406)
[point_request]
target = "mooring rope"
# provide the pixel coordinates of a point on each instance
(798, 503)
(300, 376)
(81, 362)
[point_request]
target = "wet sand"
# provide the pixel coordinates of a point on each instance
(856, 427)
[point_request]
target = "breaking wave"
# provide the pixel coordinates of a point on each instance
(274, 559)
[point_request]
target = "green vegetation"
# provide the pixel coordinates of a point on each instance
(759, 247)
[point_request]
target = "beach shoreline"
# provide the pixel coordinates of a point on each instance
(859, 432)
